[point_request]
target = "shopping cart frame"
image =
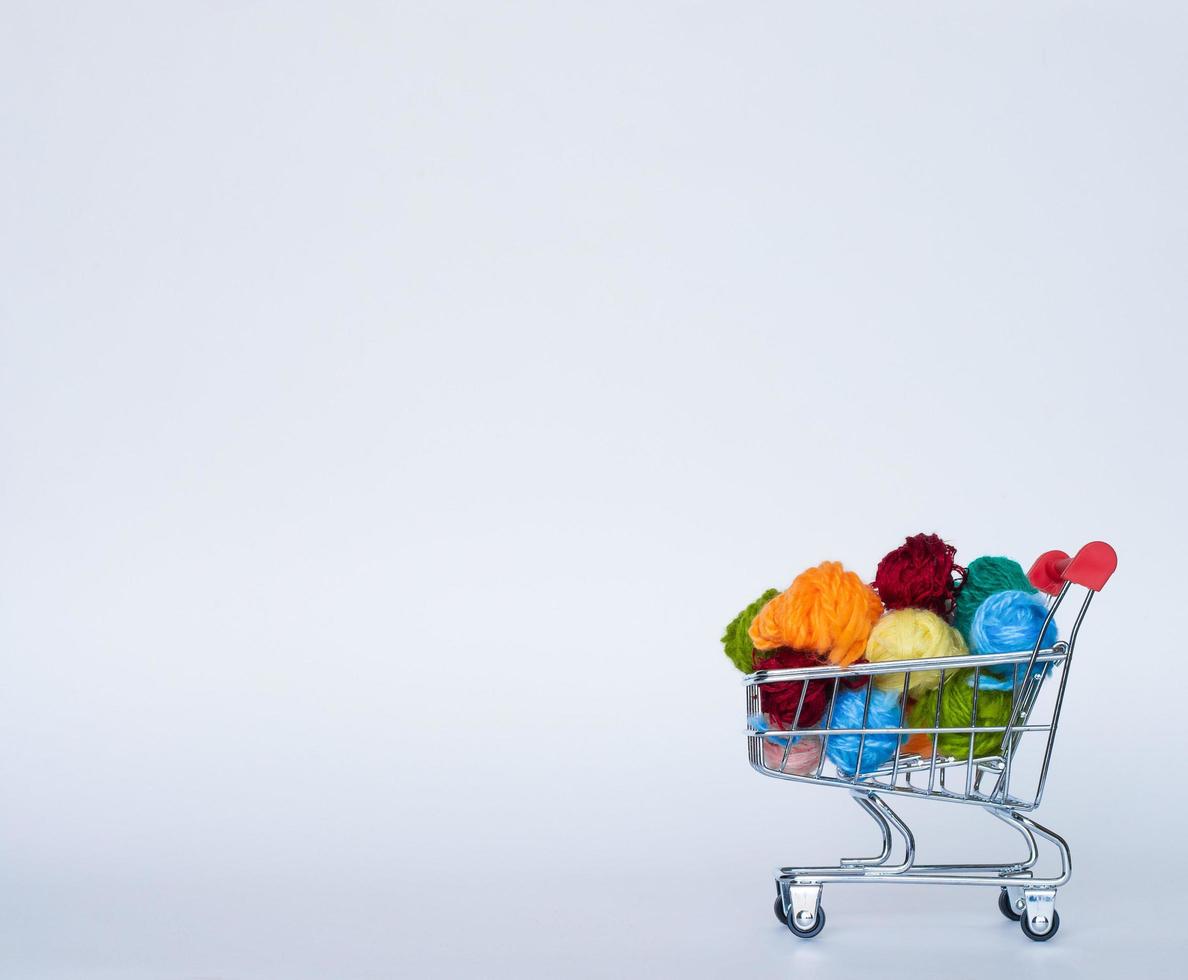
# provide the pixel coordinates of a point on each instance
(973, 780)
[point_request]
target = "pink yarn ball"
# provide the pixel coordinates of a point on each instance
(802, 759)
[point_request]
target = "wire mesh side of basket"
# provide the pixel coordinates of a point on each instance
(973, 776)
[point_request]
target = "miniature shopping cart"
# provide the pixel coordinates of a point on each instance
(1007, 783)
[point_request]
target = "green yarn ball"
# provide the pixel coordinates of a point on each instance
(994, 708)
(984, 577)
(737, 639)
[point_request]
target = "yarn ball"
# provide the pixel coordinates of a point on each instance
(919, 575)
(802, 757)
(826, 610)
(855, 681)
(848, 707)
(912, 634)
(803, 751)
(736, 640)
(918, 744)
(956, 710)
(984, 577)
(781, 699)
(1004, 623)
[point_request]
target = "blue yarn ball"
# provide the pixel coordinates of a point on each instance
(1004, 623)
(761, 723)
(877, 750)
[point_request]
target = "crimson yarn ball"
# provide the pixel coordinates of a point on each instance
(919, 575)
(859, 681)
(779, 700)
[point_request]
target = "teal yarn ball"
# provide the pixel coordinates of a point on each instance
(984, 577)
(1005, 623)
(737, 639)
(848, 707)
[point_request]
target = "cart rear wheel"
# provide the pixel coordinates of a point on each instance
(812, 930)
(1040, 937)
(1006, 907)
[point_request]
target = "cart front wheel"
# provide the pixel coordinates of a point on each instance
(818, 923)
(1006, 907)
(1040, 937)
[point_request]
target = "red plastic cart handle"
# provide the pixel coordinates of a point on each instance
(1091, 567)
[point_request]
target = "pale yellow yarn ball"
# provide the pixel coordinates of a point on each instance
(912, 634)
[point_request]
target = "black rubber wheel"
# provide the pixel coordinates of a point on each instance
(813, 930)
(1038, 938)
(1006, 908)
(779, 911)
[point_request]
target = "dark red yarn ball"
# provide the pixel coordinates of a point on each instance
(779, 701)
(859, 682)
(919, 575)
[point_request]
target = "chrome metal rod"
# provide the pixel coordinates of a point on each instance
(973, 720)
(1055, 654)
(1072, 642)
(862, 737)
(885, 828)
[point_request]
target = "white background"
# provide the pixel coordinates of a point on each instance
(398, 399)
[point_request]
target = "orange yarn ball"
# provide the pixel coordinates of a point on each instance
(918, 744)
(826, 610)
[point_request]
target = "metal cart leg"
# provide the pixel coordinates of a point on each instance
(1039, 918)
(872, 811)
(909, 840)
(851, 868)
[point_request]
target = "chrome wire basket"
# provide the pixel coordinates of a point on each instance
(1004, 769)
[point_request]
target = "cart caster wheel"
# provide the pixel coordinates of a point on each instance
(1006, 908)
(1040, 937)
(813, 930)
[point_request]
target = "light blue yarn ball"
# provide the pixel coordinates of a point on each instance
(848, 707)
(761, 723)
(1004, 623)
